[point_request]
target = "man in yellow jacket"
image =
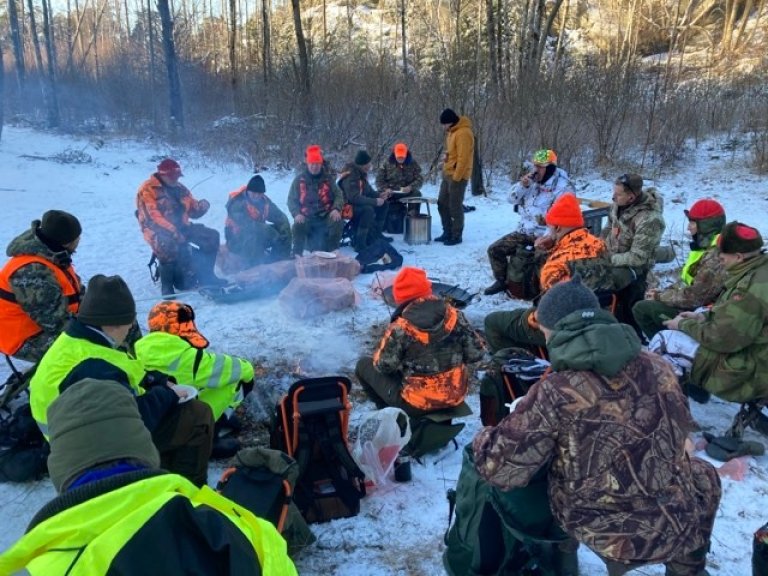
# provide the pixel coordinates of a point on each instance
(457, 170)
(118, 513)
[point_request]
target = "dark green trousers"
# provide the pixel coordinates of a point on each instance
(650, 315)
(450, 206)
(510, 329)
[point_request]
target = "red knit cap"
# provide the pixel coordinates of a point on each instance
(400, 150)
(314, 154)
(411, 283)
(705, 208)
(169, 167)
(566, 212)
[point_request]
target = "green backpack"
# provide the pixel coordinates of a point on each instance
(504, 532)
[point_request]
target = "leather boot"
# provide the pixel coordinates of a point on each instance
(495, 288)
(167, 274)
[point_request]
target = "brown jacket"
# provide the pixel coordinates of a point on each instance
(620, 480)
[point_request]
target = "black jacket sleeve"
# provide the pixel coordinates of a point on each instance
(155, 404)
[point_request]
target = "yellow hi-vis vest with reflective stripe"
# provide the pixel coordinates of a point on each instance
(216, 376)
(84, 540)
(693, 257)
(61, 358)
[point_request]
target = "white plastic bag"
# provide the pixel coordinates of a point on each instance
(379, 441)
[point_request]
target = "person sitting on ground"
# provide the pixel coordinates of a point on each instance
(609, 425)
(400, 177)
(176, 348)
(164, 209)
(88, 348)
(574, 250)
(117, 512)
(420, 362)
(701, 279)
(315, 202)
(39, 288)
(531, 197)
(369, 208)
(256, 230)
(632, 235)
(725, 349)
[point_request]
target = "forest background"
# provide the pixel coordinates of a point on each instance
(603, 82)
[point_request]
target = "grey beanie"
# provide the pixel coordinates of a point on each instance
(60, 227)
(93, 422)
(564, 298)
(107, 302)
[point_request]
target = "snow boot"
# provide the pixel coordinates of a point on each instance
(495, 288)
(167, 277)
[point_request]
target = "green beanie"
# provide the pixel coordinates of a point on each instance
(93, 422)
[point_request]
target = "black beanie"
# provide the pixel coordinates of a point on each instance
(256, 184)
(60, 227)
(107, 302)
(738, 238)
(362, 157)
(448, 116)
(564, 298)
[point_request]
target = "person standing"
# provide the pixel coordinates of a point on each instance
(457, 170)
(256, 229)
(39, 288)
(164, 207)
(315, 202)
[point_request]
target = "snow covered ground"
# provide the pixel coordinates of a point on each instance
(400, 529)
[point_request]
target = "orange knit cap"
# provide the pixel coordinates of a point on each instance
(314, 154)
(411, 283)
(401, 150)
(178, 319)
(566, 212)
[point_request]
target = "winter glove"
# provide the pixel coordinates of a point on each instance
(246, 386)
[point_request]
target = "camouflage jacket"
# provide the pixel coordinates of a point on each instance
(36, 289)
(732, 359)
(708, 279)
(610, 426)
(314, 196)
(633, 232)
(356, 188)
(394, 176)
(533, 201)
(402, 352)
(243, 214)
(577, 252)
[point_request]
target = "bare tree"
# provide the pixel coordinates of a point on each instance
(301, 44)
(171, 64)
(53, 109)
(2, 91)
(232, 54)
(16, 42)
(266, 47)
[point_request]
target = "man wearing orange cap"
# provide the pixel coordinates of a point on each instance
(164, 207)
(513, 256)
(725, 349)
(400, 177)
(315, 202)
(420, 362)
(575, 250)
(702, 277)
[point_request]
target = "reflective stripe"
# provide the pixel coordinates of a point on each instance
(218, 367)
(236, 371)
(174, 365)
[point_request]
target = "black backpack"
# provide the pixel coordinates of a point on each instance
(23, 449)
(311, 426)
(379, 255)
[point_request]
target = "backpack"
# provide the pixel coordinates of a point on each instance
(23, 449)
(379, 255)
(262, 481)
(512, 373)
(311, 426)
(497, 532)
(760, 552)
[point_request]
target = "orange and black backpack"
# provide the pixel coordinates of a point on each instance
(310, 425)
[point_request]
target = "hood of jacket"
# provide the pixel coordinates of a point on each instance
(353, 171)
(428, 314)
(29, 244)
(464, 122)
(592, 340)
